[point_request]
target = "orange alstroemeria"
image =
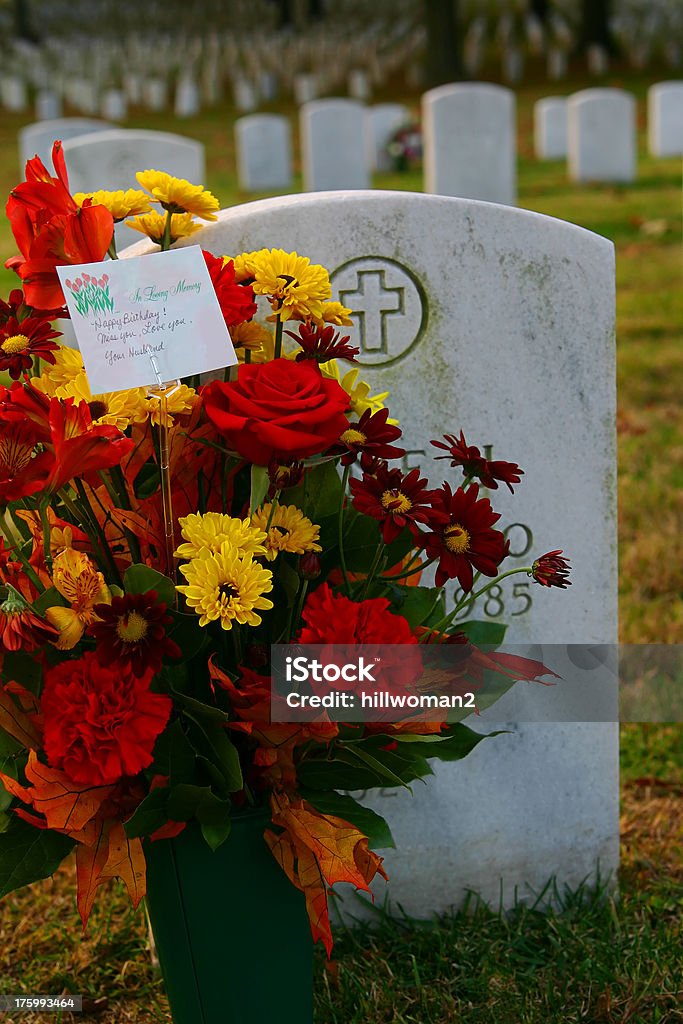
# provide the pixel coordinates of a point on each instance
(77, 580)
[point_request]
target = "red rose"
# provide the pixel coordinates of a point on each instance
(281, 408)
(101, 723)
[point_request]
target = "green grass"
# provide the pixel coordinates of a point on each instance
(595, 960)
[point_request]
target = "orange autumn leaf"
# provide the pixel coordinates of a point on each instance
(302, 870)
(126, 861)
(16, 722)
(67, 806)
(90, 862)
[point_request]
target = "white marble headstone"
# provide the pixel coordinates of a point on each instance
(264, 152)
(500, 322)
(550, 128)
(359, 85)
(187, 100)
(470, 147)
(244, 95)
(37, 139)
(333, 145)
(13, 93)
(381, 121)
(601, 135)
(155, 94)
(48, 105)
(305, 88)
(114, 105)
(665, 119)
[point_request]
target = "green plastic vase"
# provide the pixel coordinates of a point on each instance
(231, 931)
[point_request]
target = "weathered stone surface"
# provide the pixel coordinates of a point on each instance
(37, 139)
(602, 135)
(470, 142)
(501, 322)
(381, 121)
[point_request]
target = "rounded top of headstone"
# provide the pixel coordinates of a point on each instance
(467, 89)
(130, 135)
(339, 102)
(601, 93)
(356, 207)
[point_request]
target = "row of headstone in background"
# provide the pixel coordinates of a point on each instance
(342, 143)
(461, 310)
(595, 128)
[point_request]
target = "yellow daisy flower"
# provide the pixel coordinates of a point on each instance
(68, 379)
(289, 530)
(153, 224)
(213, 529)
(252, 337)
(76, 579)
(357, 390)
(296, 288)
(121, 204)
(178, 195)
(227, 587)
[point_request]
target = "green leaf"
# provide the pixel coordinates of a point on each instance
(188, 801)
(360, 543)
(150, 815)
(48, 599)
(21, 666)
(418, 605)
(259, 486)
(223, 753)
(141, 578)
(173, 754)
(343, 806)
(452, 745)
(28, 854)
(482, 634)
(215, 835)
(364, 764)
(187, 633)
(319, 494)
(198, 708)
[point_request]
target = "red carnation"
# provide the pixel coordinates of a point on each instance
(462, 538)
(278, 408)
(334, 619)
(132, 631)
(394, 499)
(475, 465)
(236, 300)
(101, 722)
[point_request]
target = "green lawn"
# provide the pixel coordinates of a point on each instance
(598, 960)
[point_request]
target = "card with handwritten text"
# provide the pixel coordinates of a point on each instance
(146, 320)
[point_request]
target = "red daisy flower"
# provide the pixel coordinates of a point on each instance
(236, 300)
(550, 570)
(132, 631)
(284, 473)
(475, 465)
(462, 538)
(21, 342)
(322, 344)
(20, 628)
(13, 307)
(372, 435)
(101, 723)
(394, 499)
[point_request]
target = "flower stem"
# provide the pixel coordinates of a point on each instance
(45, 524)
(16, 548)
(279, 327)
(166, 240)
(340, 525)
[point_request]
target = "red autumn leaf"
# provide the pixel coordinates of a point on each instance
(90, 862)
(126, 861)
(16, 722)
(66, 805)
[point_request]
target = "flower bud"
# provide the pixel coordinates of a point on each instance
(310, 566)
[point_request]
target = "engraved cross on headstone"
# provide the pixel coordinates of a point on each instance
(372, 302)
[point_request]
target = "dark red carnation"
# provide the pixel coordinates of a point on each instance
(132, 631)
(101, 722)
(394, 499)
(462, 537)
(280, 408)
(334, 619)
(236, 300)
(474, 464)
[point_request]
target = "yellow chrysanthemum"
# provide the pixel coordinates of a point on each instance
(289, 530)
(178, 403)
(225, 586)
(121, 204)
(154, 223)
(213, 529)
(67, 366)
(252, 337)
(77, 580)
(296, 288)
(335, 313)
(357, 390)
(178, 195)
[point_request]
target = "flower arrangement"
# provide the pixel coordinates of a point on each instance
(135, 689)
